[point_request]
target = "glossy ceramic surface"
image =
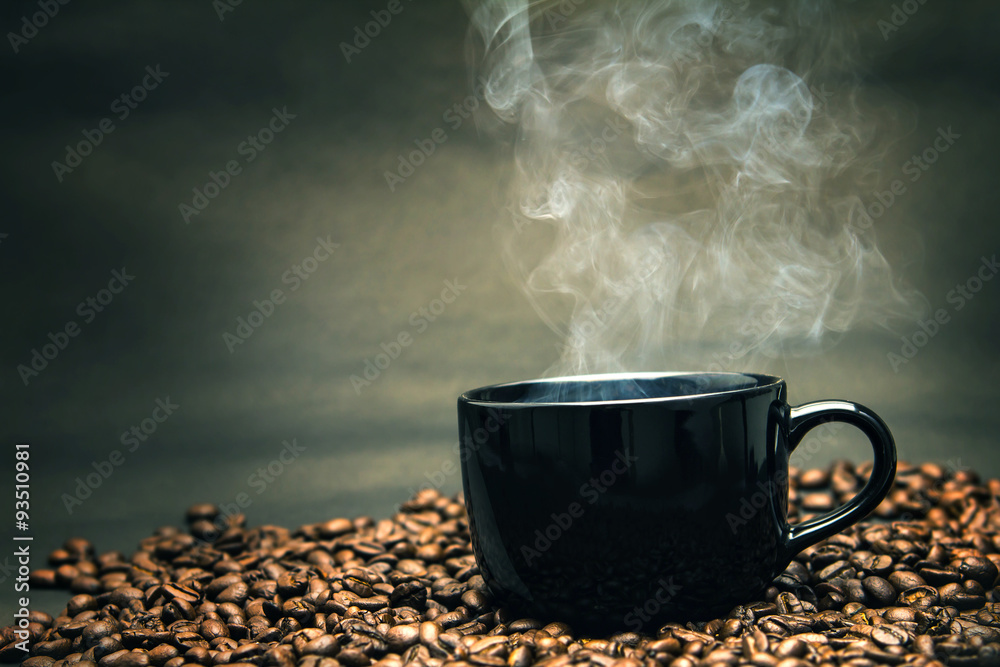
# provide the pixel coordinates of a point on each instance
(625, 500)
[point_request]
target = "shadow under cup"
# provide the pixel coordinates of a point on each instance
(621, 501)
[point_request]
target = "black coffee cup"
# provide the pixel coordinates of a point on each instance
(621, 501)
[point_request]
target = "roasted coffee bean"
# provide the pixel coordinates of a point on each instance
(888, 635)
(56, 648)
(43, 578)
(955, 595)
(159, 655)
(454, 640)
(451, 619)
(179, 592)
(979, 569)
(262, 607)
(66, 574)
(902, 580)
(201, 512)
(39, 661)
(447, 592)
(299, 609)
(409, 594)
(36, 616)
(80, 603)
(936, 576)
(523, 625)
(263, 589)
(879, 565)
(124, 596)
(793, 647)
(493, 645)
(471, 628)
(407, 591)
(817, 502)
(177, 610)
(96, 631)
(401, 637)
(474, 601)
(879, 591)
(325, 645)
(221, 583)
(353, 658)
(212, 628)
(87, 584)
(291, 583)
(235, 593)
(335, 528)
(902, 614)
(428, 632)
(856, 592)
(787, 603)
(827, 554)
(813, 478)
(920, 597)
(189, 640)
(837, 569)
(134, 658)
(288, 626)
(557, 629)
(373, 603)
(685, 661)
(367, 549)
(306, 635)
(520, 657)
(137, 637)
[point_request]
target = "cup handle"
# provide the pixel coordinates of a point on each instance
(804, 418)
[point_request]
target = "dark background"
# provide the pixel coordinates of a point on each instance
(323, 176)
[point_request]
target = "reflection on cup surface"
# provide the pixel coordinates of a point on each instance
(595, 489)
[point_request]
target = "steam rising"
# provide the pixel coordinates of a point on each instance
(687, 179)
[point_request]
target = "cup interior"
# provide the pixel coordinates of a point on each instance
(619, 387)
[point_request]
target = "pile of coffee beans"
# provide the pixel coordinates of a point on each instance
(915, 584)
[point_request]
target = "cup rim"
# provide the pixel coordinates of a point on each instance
(765, 382)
